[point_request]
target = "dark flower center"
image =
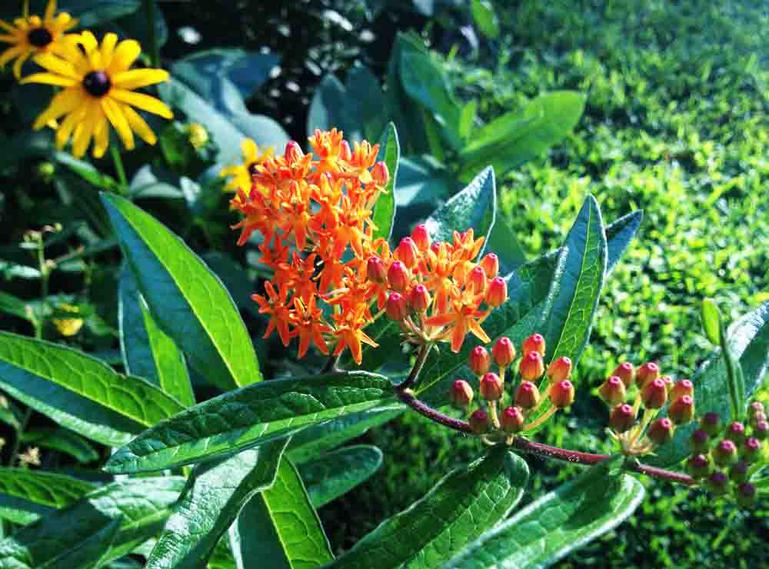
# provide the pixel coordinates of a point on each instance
(97, 83)
(252, 168)
(39, 37)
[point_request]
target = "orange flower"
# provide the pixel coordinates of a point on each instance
(276, 305)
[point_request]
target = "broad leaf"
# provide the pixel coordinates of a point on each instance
(735, 378)
(139, 507)
(485, 18)
(91, 13)
(250, 416)
(80, 392)
(279, 527)
(210, 502)
(466, 503)
(327, 109)
(62, 440)
(186, 299)
(335, 473)
(505, 245)
(25, 495)
(383, 214)
(711, 321)
(557, 523)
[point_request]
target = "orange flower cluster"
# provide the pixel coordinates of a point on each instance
(314, 213)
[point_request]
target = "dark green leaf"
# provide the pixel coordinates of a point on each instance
(327, 109)
(249, 416)
(62, 440)
(557, 523)
(735, 379)
(466, 503)
(186, 299)
(384, 209)
(91, 13)
(78, 391)
(365, 103)
(210, 503)
(14, 306)
(335, 473)
(711, 321)
(503, 242)
(485, 18)
(86, 171)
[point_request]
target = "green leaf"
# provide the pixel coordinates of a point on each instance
(485, 18)
(80, 392)
(383, 213)
(139, 507)
(147, 351)
(186, 299)
(516, 137)
(466, 503)
(64, 441)
(280, 528)
(86, 171)
(735, 379)
(327, 109)
(503, 242)
(13, 306)
(210, 503)
(558, 523)
(365, 103)
(250, 416)
(25, 495)
(475, 207)
(711, 321)
(335, 473)
(91, 13)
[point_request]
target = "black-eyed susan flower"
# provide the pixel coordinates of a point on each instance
(240, 174)
(33, 35)
(98, 91)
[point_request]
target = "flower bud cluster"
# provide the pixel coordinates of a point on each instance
(516, 405)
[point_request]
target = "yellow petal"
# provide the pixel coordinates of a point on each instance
(56, 64)
(135, 78)
(108, 43)
(118, 120)
(9, 54)
(88, 41)
(125, 54)
(62, 103)
(139, 125)
(49, 79)
(84, 134)
(50, 10)
(6, 26)
(68, 124)
(17, 65)
(143, 102)
(100, 138)
(249, 149)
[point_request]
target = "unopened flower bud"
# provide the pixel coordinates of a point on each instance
(612, 391)
(739, 472)
(375, 270)
(531, 367)
(622, 417)
(735, 431)
(668, 382)
(407, 252)
(534, 343)
(756, 418)
(511, 420)
(398, 276)
(477, 279)
(491, 387)
(681, 411)
(681, 387)
(711, 423)
(755, 407)
(746, 495)
(380, 174)
(761, 430)
(646, 373)
(698, 466)
(479, 360)
(293, 152)
(718, 483)
(490, 264)
(625, 372)
(421, 237)
(503, 352)
(700, 441)
(559, 369)
(661, 431)
(654, 393)
(496, 293)
(479, 422)
(562, 393)
(751, 449)
(461, 394)
(419, 299)
(396, 307)
(527, 395)
(725, 453)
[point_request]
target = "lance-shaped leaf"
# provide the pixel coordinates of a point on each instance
(250, 416)
(461, 507)
(25, 495)
(62, 440)
(186, 299)
(335, 473)
(139, 507)
(383, 213)
(80, 392)
(279, 527)
(147, 351)
(557, 523)
(210, 502)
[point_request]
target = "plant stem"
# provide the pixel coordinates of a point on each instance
(117, 160)
(424, 351)
(408, 397)
(149, 10)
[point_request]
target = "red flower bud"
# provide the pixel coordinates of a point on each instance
(490, 264)
(380, 174)
(612, 391)
(700, 441)
(725, 453)
(668, 382)
(739, 472)
(654, 394)
(622, 417)
(532, 367)
(396, 307)
(562, 393)
(735, 431)
(421, 237)
(711, 423)
(746, 495)
(755, 407)
(681, 411)
(461, 394)
(698, 466)
(479, 422)
(407, 252)
(496, 293)
(398, 276)
(757, 418)
(682, 387)
(625, 372)
(661, 431)
(534, 343)
(477, 279)
(559, 369)
(527, 395)
(511, 420)
(646, 373)
(761, 430)
(751, 449)
(419, 299)
(491, 387)
(503, 352)
(718, 483)
(479, 360)
(375, 270)
(293, 152)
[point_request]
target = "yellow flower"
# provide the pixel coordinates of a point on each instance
(68, 326)
(32, 35)
(197, 135)
(98, 91)
(240, 174)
